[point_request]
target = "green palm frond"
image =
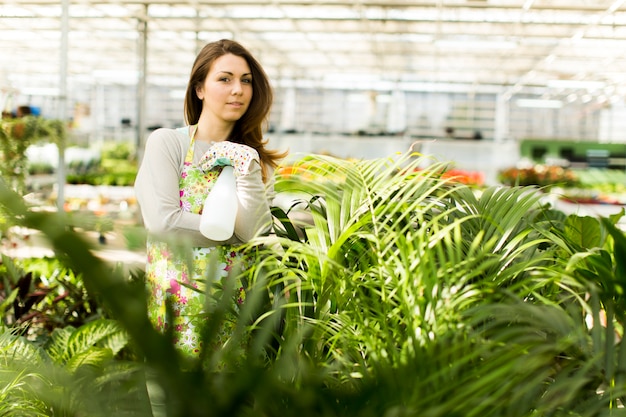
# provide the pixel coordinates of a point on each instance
(399, 267)
(16, 395)
(18, 375)
(404, 249)
(74, 375)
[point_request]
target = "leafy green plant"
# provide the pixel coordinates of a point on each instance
(40, 168)
(40, 295)
(541, 175)
(116, 166)
(74, 373)
(390, 231)
(606, 179)
(401, 294)
(135, 237)
(15, 138)
(391, 265)
(113, 150)
(598, 261)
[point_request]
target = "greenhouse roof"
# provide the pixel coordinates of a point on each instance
(555, 48)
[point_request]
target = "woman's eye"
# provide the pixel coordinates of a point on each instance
(247, 80)
(224, 79)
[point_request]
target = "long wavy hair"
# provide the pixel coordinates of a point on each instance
(248, 130)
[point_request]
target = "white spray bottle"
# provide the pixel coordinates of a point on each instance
(220, 207)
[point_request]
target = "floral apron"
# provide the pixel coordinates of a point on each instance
(178, 279)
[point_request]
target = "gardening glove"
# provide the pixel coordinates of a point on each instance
(237, 155)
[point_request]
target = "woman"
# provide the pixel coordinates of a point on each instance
(227, 102)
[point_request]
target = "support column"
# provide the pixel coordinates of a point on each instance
(142, 52)
(62, 105)
(288, 110)
(396, 112)
(501, 127)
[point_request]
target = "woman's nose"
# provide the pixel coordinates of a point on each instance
(237, 88)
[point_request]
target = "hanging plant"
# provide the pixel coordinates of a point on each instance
(16, 135)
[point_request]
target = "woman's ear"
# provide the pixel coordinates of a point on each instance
(200, 92)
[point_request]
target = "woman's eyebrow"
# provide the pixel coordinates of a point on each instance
(230, 73)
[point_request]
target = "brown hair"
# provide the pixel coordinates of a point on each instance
(248, 130)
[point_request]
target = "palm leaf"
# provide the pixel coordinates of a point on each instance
(18, 348)
(16, 397)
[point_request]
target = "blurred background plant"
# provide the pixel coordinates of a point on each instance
(540, 175)
(39, 295)
(384, 291)
(16, 136)
(117, 165)
(585, 186)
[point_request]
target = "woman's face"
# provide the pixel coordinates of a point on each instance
(227, 89)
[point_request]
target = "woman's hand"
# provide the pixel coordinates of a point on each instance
(237, 155)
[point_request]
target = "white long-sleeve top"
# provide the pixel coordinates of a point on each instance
(158, 194)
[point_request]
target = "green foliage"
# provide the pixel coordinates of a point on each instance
(135, 237)
(542, 175)
(102, 178)
(118, 151)
(88, 220)
(416, 262)
(82, 167)
(15, 138)
(117, 166)
(40, 295)
(603, 180)
(401, 252)
(75, 373)
(394, 293)
(40, 168)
